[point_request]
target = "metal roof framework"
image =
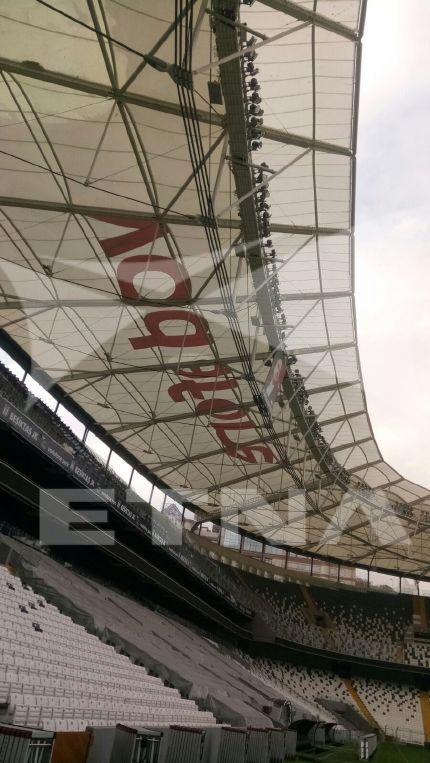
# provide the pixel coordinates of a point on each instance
(109, 282)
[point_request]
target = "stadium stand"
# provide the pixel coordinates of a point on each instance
(231, 686)
(304, 687)
(367, 624)
(417, 653)
(396, 709)
(334, 619)
(155, 284)
(285, 610)
(155, 525)
(17, 393)
(361, 624)
(57, 676)
(183, 658)
(392, 708)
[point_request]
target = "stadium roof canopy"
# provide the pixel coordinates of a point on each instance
(135, 268)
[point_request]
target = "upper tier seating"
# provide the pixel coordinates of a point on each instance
(417, 653)
(284, 610)
(17, 393)
(368, 624)
(57, 676)
(371, 625)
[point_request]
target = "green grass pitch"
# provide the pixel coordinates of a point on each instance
(386, 753)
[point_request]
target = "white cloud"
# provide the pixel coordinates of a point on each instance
(393, 244)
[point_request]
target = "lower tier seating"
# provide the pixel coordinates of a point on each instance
(57, 676)
(198, 667)
(370, 625)
(395, 708)
(299, 683)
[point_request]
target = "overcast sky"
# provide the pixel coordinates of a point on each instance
(392, 231)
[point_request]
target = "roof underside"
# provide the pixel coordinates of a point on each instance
(109, 272)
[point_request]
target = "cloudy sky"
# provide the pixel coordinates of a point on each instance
(393, 227)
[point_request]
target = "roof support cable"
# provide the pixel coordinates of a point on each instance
(307, 419)
(183, 55)
(182, 75)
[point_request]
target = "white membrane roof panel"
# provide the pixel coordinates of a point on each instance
(107, 269)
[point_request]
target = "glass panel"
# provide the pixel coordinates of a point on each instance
(424, 587)
(76, 426)
(299, 563)
(11, 365)
(230, 539)
(157, 498)
(275, 555)
(252, 547)
(361, 577)
(325, 570)
(141, 486)
(348, 575)
(173, 509)
(408, 585)
(210, 531)
(97, 446)
(189, 518)
(388, 583)
(40, 392)
(120, 467)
